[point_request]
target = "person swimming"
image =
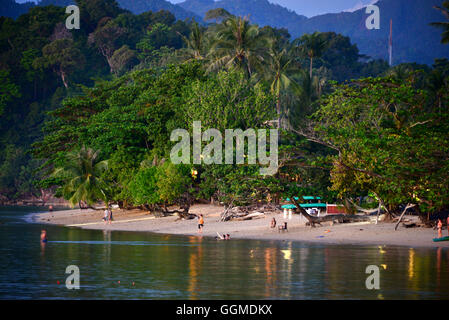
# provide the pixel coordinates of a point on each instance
(44, 236)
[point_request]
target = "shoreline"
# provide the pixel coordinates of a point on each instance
(360, 233)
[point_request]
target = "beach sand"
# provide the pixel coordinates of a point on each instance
(354, 233)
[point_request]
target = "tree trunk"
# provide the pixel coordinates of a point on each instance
(278, 109)
(225, 216)
(408, 206)
(378, 212)
(311, 67)
(63, 77)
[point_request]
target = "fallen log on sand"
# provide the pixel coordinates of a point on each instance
(246, 212)
(251, 216)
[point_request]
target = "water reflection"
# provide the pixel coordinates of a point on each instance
(107, 236)
(195, 263)
(439, 253)
(271, 264)
(411, 263)
(175, 267)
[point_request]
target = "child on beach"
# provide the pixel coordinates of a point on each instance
(440, 228)
(200, 223)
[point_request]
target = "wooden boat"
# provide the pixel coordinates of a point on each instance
(441, 239)
(315, 207)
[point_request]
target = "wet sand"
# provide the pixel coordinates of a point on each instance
(354, 233)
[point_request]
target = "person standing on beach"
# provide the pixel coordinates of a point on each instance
(106, 216)
(200, 223)
(440, 228)
(110, 216)
(273, 223)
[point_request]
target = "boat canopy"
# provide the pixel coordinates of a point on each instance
(305, 205)
(305, 198)
(311, 198)
(289, 206)
(313, 205)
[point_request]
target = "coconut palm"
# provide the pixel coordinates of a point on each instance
(444, 25)
(312, 46)
(281, 68)
(82, 176)
(196, 43)
(238, 44)
(306, 96)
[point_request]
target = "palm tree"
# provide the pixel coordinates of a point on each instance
(238, 44)
(196, 43)
(82, 176)
(444, 25)
(306, 95)
(281, 68)
(312, 46)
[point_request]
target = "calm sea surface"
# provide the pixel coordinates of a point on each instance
(131, 265)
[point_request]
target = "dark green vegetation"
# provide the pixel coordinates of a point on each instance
(414, 39)
(109, 95)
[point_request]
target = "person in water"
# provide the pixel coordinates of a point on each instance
(44, 236)
(440, 228)
(200, 223)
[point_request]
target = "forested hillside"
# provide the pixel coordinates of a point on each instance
(88, 113)
(413, 37)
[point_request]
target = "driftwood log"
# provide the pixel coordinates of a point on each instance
(247, 212)
(340, 218)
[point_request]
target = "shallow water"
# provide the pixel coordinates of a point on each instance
(153, 266)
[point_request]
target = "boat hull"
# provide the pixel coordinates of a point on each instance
(441, 239)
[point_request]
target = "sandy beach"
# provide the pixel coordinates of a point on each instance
(354, 233)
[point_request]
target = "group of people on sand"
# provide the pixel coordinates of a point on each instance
(440, 227)
(107, 218)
